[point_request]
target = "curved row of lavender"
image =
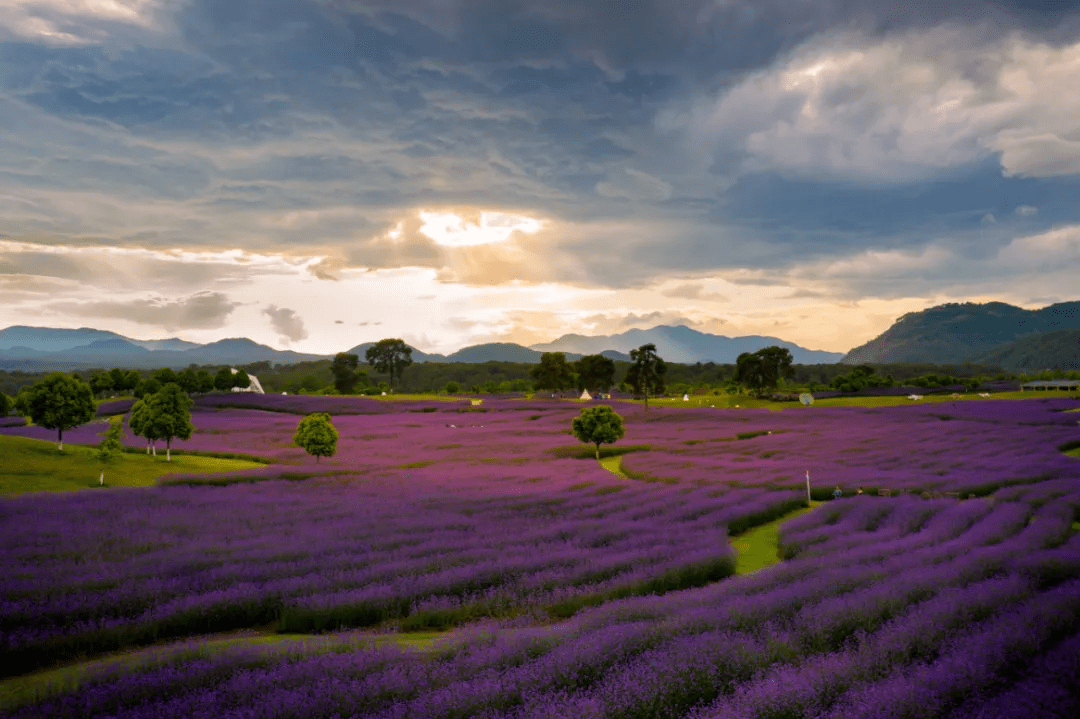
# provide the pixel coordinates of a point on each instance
(943, 609)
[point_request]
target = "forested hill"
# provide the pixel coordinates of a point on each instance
(965, 332)
(1047, 350)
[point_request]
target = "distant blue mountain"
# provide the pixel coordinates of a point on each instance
(684, 345)
(47, 348)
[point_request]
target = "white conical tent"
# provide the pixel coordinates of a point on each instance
(585, 394)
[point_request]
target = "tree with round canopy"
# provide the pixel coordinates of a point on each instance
(57, 402)
(317, 435)
(598, 425)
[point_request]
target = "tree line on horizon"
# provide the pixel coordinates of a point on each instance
(389, 359)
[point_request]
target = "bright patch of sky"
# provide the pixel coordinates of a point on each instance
(314, 174)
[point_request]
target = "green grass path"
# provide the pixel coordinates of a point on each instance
(759, 547)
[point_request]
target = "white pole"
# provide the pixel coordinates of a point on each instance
(808, 488)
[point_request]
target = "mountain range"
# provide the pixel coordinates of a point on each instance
(49, 348)
(993, 333)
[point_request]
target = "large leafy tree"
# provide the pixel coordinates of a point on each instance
(763, 369)
(389, 356)
(169, 415)
(646, 374)
(553, 372)
(595, 371)
(57, 402)
(317, 435)
(6, 403)
(344, 367)
(598, 425)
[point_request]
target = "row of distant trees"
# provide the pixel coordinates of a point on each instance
(190, 380)
(62, 402)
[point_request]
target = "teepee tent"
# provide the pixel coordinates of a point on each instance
(585, 394)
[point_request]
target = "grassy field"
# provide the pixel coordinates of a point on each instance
(16, 691)
(34, 465)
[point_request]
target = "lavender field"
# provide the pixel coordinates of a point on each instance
(577, 592)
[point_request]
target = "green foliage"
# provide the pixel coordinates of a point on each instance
(241, 379)
(168, 416)
(6, 404)
(100, 382)
(647, 372)
(596, 372)
(553, 372)
(139, 423)
(389, 356)
(763, 369)
(317, 435)
(57, 402)
(452, 387)
(860, 377)
(344, 367)
(146, 387)
(164, 376)
(110, 447)
(223, 380)
(598, 425)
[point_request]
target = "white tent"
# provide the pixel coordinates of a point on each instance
(585, 394)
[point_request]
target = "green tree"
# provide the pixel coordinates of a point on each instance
(763, 369)
(646, 374)
(6, 404)
(206, 382)
(389, 356)
(598, 425)
(169, 415)
(595, 371)
(553, 372)
(146, 387)
(188, 380)
(57, 402)
(100, 383)
(140, 426)
(452, 387)
(119, 379)
(223, 379)
(317, 435)
(165, 375)
(344, 367)
(241, 379)
(110, 447)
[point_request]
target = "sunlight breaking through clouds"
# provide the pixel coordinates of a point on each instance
(448, 230)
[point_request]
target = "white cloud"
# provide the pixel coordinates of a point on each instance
(288, 324)
(1026, 210)
(899, 109)
(1055, 249)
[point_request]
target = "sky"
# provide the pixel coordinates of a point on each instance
(313, 174)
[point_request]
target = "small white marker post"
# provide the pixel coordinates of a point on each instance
(808, 488)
